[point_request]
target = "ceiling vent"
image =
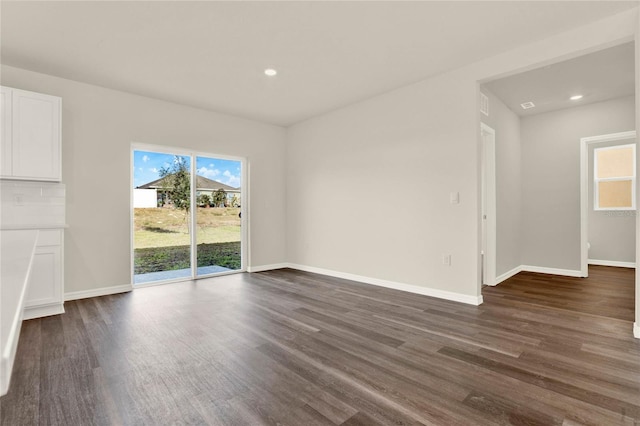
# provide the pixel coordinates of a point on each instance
(484, 104)
(527, 105)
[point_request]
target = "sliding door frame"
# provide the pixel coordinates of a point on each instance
(244, 208)
(244, 228)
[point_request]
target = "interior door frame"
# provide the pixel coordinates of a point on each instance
(488, 204)
(584, 191)
(244, 220)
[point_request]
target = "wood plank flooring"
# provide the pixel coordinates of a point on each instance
(293, 348)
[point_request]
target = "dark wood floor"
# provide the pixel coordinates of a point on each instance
(288, 347)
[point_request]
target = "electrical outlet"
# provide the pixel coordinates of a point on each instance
(446, 259)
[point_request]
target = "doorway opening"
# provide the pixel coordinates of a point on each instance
(187, 215)
(607, 200)
(541, 115)
(488, 204)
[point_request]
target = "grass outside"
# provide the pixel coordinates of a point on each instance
(155, 259)
(161, 239)
(166, 227)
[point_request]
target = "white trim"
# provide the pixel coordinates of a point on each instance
(193, 216)
(43, 311)
(96, 292)
(610, 137)
(425, 291)
(132, 257)
(508, 274)
(244, 214)
(612, 263)
(636, 330)
(488, 204)
(261, 268)
(552, 271)
(584, 190)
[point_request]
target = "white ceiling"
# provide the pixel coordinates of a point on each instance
(329, 54)
(606, 74)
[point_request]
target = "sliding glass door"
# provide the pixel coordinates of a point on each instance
(218, 215)
(187, 215)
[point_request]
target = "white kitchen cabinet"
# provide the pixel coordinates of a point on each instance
(31, 135)
(5, 128)
(45, 293)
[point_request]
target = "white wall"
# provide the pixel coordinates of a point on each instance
(611, 234)
(420, 141)
(417, 143)
(551, 177)
(508, 183)
(368, 187)
(98, 128)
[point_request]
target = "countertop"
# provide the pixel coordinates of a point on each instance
(17, 249)
(29, 227)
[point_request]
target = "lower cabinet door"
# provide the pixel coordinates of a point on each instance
(45, 283)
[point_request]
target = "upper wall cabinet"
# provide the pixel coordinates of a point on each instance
(31, 141)
(5, 131)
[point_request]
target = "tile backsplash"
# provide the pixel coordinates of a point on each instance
(31, 204)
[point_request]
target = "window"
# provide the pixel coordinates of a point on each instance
(614, 172)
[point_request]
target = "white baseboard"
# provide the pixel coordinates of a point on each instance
(508, 275)
(425, 291)
(43, 311)
(636, 330)
(95, 292)
(611, 263)
(556, 271)
(552, 271)
(261, 268)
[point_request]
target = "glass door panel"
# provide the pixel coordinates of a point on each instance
(161, 216)
(218, 218)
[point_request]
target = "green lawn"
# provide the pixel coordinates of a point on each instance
(156, 259)
(161, 239)
(166, 227)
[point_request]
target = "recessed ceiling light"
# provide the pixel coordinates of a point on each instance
(575, 97)
(270, 72)
(527, 105)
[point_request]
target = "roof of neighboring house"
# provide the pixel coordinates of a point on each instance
(202, 184)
